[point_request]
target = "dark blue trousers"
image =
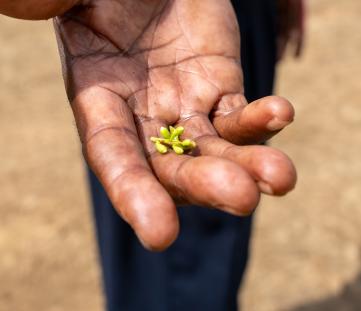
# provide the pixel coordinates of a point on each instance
(204, 268)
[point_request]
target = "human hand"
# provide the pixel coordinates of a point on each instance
(131, 67)
(290, 27)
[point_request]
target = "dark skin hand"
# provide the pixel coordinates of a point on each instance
(131, 67)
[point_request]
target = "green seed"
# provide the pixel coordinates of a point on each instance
(161, 148)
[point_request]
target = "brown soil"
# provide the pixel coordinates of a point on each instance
(306, 247)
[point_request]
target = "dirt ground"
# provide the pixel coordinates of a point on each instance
(306, 246)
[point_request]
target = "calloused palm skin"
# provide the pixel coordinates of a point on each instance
(132, 66)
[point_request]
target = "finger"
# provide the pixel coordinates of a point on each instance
(113, 151)
(271, 169)
(206, 181)
(244, 124)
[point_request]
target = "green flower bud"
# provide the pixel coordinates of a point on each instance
(161, 148)
(176, 133)
(155, 139)
(179, 130)
(172, 129)
(187, 143)
(164, 132)
(177, 149)
(171, 140)
(193, 144)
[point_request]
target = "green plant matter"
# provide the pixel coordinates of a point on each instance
(170, 138)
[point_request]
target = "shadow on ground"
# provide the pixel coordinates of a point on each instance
(349, 299)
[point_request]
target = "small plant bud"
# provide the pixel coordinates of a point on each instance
(170, 139)
(171, 129)
(155, 139)
(186, 143)
(161, 148)
(164, 132)
(179, 130)
(176, 133)
(193, 144)
(177, 149)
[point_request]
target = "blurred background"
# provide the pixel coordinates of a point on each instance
(306, 247)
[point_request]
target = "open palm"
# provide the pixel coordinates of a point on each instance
(131, 67)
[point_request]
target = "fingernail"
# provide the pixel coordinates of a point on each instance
(265, 188)
(277, 124)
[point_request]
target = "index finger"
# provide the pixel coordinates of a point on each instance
(112, 149)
